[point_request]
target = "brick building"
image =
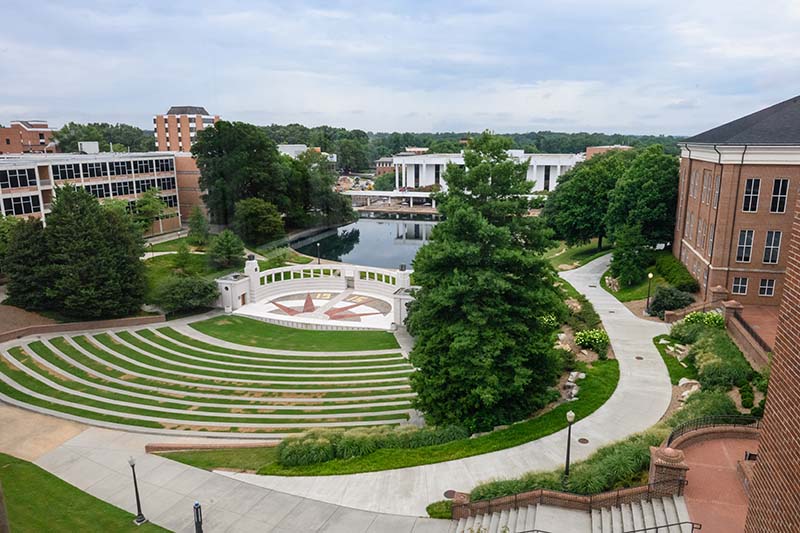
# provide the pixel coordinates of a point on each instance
(26, 136)
(592, 151)
(176, 131)
(775, 488)
(738, 186)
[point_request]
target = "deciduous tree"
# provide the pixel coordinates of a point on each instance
(198, 227)
(226, 250)
(257, 221)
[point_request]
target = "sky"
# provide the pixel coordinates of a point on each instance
(623, 66)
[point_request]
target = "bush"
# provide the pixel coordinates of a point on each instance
(668, 299)
(686, 332)
(675, 273)
(257, 221)
(704, 403)
(226, 250)
(711, 319)
(593, 339)
(548, 321)
(758, 410)
(441, 509)
(198, 227)
(747, 396)
(307, 449)
(179, 294)
(586, 318)
(719, 361)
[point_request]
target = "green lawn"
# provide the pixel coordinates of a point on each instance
(38, 501)
(674, 367)
(637, 292)
(249, 332)
(575, 255)
(171, 246)
(599, 385)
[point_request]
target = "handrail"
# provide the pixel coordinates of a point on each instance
(753, 333)
(695, 526)
(712, 421)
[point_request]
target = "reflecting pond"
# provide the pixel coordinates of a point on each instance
(372, 241)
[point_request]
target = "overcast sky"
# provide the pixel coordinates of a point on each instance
(630, 66)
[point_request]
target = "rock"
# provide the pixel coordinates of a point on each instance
(687, 381)
(562, 337)
(569, 385)
(572, 376)
(574, 391)
(664, 341)
(498, 428)
(581, 375)
(686, 394)
(575, 399)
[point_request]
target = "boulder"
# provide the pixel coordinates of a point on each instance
(686, 381)
(582, 375)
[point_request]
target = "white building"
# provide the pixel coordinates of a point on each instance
(294, 150)
(416, 171)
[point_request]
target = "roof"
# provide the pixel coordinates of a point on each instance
(187, 110)
(777, 124)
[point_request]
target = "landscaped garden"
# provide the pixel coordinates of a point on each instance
(564, 257)
(38, 501)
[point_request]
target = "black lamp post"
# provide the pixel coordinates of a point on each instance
(649, 284)
(318, 257)
(198, 518)
(140, 519)
(570, 420)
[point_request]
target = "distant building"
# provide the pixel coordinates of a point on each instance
(294, 150)
(26, 136)
(592, 151)
(417, 171)
(416, 150)
(29, 182)
(384, 165)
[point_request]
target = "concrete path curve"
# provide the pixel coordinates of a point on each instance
(641, 398)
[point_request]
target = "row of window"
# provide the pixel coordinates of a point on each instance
(122, 188)
(772, 246)
(752, 188)
(21, 205)
(22, 177)
(766, 286)
(114, 168)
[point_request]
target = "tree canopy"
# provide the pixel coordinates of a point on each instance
(483, 348)
(124, 137)
(257, 221)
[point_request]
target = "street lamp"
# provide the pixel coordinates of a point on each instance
(140, 519)
(198, 518)
(318, 259)
(570, 420)
(649, 284)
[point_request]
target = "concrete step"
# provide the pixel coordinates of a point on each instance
(502, 525)
(649, 514)
(484, 523)
(671, 513)
(511, 521)
(530, 518)
(605, 516)
(638, 519)
(494, 522)
(597, 521)
(616, 520)
(659, 513)
(627, 517)
(519, 525)
(468, 525)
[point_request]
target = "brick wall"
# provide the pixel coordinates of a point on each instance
(775, 489)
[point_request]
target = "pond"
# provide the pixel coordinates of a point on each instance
(372, 241)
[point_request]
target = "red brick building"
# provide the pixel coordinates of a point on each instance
(26, 136)
(738, 186)
(592, 151)
(775, 487)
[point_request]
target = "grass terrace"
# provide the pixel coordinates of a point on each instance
(563, 256)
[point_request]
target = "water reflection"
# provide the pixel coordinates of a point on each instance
(372, 241)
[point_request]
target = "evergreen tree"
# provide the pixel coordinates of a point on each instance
(24, 265)
(631, 256)
(483, 344)
(198, 227)
(226, 250)
(6, 225)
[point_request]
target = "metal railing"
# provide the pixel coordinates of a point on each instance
(695, 526)
(668, 487)
(753, 333)
(712, 421)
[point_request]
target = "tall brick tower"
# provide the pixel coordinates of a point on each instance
(775, 490)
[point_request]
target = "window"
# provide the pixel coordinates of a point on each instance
(705, 277)
(711, 240)
(706, 187)
(437, 173)
(66, 172)
(717, 184)
(121, 168)
(766, 287)
(144, 166)
(171, 200)
(95, 170)
(208, 121)
(745, 247)
(165, 165)
(8, 141)
(143, 185)
(700, 240)
(98, 190)
(166, 184)
(691, 224)
(41, 138)
(22, 177)
(121, 188)
(772, 247)
(21, 205)
(780, 187)
(739, 286)
(751, 188)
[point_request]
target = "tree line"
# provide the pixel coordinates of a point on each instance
(120, 137)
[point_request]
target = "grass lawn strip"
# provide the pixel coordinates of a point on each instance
(163, 366)
(98, 391)
(287, 355)
(674, 367)
(39, 501)
(637, 292)
(38, 389)
(569, 255)
(249, 332)
(76, 356)
(596, 389)
(145, 345)
(161, 341)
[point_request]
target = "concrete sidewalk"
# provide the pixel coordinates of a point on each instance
(641, 398)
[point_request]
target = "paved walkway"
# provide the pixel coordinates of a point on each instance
(641, 398)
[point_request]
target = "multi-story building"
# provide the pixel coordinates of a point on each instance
(26, 136)
(384, 165)
(29, 182)
(176, 131)
(738, 186)
(592, 151)
(425, 170)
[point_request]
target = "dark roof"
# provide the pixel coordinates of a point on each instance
(187, 110)
(777, 124)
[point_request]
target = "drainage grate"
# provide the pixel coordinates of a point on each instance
(583, 440)
(639, 358)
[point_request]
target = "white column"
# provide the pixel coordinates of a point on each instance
(405, 175)
(396, 177)
(535, 177)
(422, 177)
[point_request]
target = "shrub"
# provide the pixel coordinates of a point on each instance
(182, 258)
(711, 319)
(307, 451)
(719, 361)
(198, 227)
(704, 403)
(586, 317)
(675, 273)
(567, 359)
(668, 299)
(524, 483)
(762, 380)
(758, 410)
(594, 339)
(226, 250)
(686, 332)
(747, 396)
(179, 294)
(441, 509)
(548, 321)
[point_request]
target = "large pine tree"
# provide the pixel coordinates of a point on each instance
(483, 346)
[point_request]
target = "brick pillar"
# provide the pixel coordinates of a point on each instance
(666, 464)
(718, 293)
(775, 488)
(731, 306)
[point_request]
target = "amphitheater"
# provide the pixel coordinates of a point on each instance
(178, 379)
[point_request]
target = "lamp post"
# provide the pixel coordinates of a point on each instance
(570, 420)
(649, 284)
(140, 519)
(198, 518)
(318, 256)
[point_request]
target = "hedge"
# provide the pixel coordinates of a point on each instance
(593, 339)
(668, 299)
(675, 273)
